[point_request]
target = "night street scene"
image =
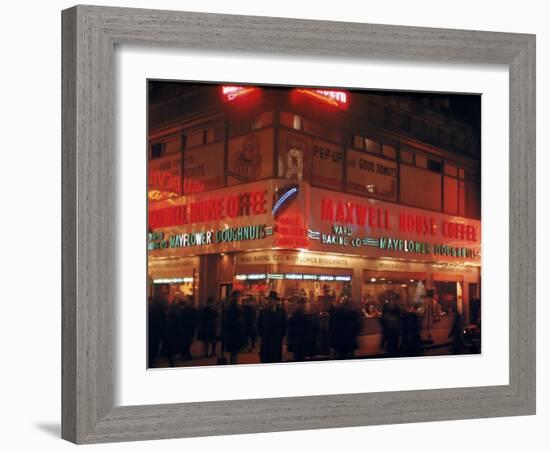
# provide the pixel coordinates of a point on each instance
(292, 224)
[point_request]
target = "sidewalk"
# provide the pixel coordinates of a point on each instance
(369, 347)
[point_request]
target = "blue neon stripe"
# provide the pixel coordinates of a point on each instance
(285, 196)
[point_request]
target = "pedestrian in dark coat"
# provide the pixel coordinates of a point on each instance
(455, 333)
(155, 319)
(206, 332)
(188, 325)
(250, 315)
(391, 319)
(415, 347)
(272, 324)
(170, 332)
(410, 332)
(302, 333)
(345, 330)
(234, 328)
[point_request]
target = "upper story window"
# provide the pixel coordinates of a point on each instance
(433, 165)
(389, 151)
(263, 120)
(373, 146)
(291, 120)
(195, 139)
(420, 160)
(358, 142)
(157, 150)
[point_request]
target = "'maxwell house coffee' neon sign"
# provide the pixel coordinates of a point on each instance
(376, 217)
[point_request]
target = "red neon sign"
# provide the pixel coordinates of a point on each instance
(291, 232)
(210, 209)
(355, 213)
(330, 96)
(351, 213)
(232, 92)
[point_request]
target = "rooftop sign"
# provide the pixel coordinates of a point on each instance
(331, 96)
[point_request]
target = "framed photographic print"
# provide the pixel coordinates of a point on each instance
(266, 230)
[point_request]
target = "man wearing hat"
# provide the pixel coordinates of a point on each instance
(272, 330)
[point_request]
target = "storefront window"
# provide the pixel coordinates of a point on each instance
(445, 298)
(173, 290)
(318, 290)
(398, 288)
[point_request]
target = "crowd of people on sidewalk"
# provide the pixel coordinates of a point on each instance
(238, 324)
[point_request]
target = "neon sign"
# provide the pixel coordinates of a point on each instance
(355, 213)
(293, 276)
(251, 276)
(230, 93)
(343, 236)
(291, 232)
(208, 237)
(165, 180)
(331, 96)
(210, 209)
(173, 280)
(282, 197)
(411, 246)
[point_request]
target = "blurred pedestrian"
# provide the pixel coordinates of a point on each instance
(233, 328)
(155, 319)
(170, 332)
(391, 325)
(346, 328)
(206, 332)
(323, 341)
(188, 325)
(250, 315)
(455, 333)
(272, 323)
(410, 334)
(302, 333)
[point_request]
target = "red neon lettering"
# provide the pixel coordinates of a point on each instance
(327, 210)
(433, 226)
(330, 96)
(372, 217)
(361, 213)
(232, 92)
(350, 208)
(232, 206)
(457, 230)
(340, 212)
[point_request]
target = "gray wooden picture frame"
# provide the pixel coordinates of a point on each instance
(90, 34)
